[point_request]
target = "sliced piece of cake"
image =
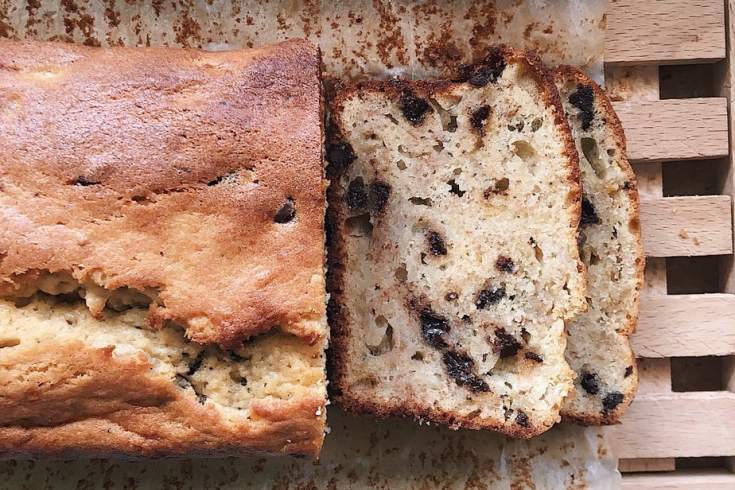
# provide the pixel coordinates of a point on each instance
(598, 348)
(452, 227)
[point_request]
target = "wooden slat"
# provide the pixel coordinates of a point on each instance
(675, 129)
(632, 82)
(686, 325)
(665, 31)
(726, 87)
(654, 278)
(687, 226)
(654, 376)
(681, 480)
(646, 464)
(677, 425)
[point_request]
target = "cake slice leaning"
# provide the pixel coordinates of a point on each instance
(598, 348)
(452, 231)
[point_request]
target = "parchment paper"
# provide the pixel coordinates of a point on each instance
(358, 454)
(379, 38)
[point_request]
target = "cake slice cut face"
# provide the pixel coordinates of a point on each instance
(598, 348)
(452, 231)
(161, 251)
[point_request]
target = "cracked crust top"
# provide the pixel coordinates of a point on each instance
(191, 179)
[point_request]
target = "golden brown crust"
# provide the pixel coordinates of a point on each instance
(76, 400)
(565, 74)
(163, 170)
(338, 363)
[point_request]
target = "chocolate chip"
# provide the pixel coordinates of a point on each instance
(84, 181)
(504, 264)
(626, 185)
(589, 214)
(414, 108)
(533, 357)
(454, 188)
(234, 356)
(516, 127)
(628, 371)
(611, 401)
(590, 382)
(340, 155)
(451, 296)
(433, 328)
(482, 75)
(378, 196)
(584, 99)
(505, 343)
(479, 116)
(536, 124)
(196, 363)
(460, 368)
(286, 213)
(488, 297)
(436, 243)
(357, 195)
(522, 418)
(488, 71)
(184, 383)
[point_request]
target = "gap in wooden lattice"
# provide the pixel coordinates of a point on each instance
(693, 275)
(704, 462)
(694, 178)
(696, 374)
(686, 81)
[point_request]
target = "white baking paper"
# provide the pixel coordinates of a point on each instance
(376, 38)
(359, 454)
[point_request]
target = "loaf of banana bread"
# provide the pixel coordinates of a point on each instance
(161, 250)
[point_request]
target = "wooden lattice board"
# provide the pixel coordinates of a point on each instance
(680, 431)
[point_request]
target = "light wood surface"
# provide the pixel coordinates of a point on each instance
(686, 325)
(662, 425)
(639, 84)
(687, 226)
(675, 129)
(726, 85)
(646, 464)
(677, 424)
(664, 31)
(681, 480)
(654, 375)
